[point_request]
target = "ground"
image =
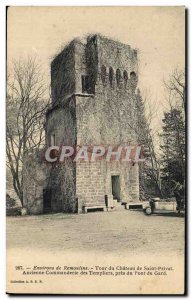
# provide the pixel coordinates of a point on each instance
(110, 232)
(96, 241)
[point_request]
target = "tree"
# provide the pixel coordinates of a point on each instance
(173, 135)
(150, 170)
(25, 116)
(175, 87)
(173, 148)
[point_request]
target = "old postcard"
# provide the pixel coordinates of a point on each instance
(95, 147)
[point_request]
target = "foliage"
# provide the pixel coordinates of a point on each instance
(10, 202)
(173, 149)
(149, 177)
(173, 135)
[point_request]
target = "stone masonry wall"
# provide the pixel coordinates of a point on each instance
(35, 174)
(63, 74)
(90, 183)
(62, 179)
(108, 118)
(93, 182)
(62, 182)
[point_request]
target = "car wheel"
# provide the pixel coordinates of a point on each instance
(148, 211)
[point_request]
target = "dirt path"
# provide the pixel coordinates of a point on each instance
(117, 232)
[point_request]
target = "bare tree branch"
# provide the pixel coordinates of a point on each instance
(26, 108)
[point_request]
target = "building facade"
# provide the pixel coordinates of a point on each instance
(94, 102)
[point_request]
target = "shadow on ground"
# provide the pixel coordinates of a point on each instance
(169, 214)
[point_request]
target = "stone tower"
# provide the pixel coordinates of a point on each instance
(93, 103)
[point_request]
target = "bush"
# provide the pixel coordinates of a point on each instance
(11, 208)
(10, 202)
(13, 211)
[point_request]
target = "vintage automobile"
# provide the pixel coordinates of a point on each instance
(157, 205)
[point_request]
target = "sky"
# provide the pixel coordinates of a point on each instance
(157, 32)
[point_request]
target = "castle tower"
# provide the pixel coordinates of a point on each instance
(93, 103)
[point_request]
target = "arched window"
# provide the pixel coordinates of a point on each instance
(125, 77)
(103, 74)
(111, 75)
(133, 75)
(118, 76)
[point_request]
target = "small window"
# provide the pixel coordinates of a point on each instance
(53, 140)
(133, 75)
(118, 76)
(111, 75)
(125, 77)
(103, 74)
(86, 84)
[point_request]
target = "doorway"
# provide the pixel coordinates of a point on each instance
(47, 200)
(115, 181)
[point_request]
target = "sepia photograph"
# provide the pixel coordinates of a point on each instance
(96, 150)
